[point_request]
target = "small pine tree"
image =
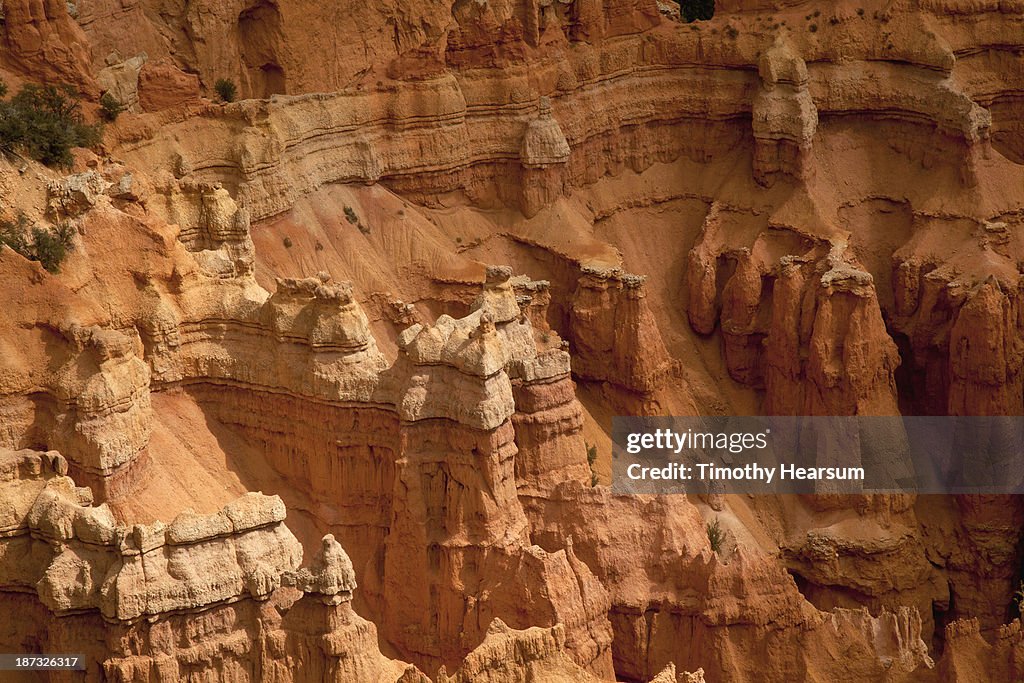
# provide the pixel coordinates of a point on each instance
(48, 247)
(110, 107)
(45, 122)
(14, 233)
(226, 89)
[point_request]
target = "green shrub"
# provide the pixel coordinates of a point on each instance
(48, 247)
(51, 248)
(45, 122)
(15, 234)
(715, 535)
(110, 107)
(350, 215)
(3, 89)
(697, 10)
(226, 89)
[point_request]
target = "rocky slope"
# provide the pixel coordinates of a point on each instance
(403, 285)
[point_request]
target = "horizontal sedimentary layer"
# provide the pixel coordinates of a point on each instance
(82, 560)
(277, 151)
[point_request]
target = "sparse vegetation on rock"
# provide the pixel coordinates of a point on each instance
(226, 89)
(715, 535)
(110, 107)
(45, 122)
(47, 246)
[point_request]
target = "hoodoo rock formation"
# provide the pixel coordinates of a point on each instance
(323, 389)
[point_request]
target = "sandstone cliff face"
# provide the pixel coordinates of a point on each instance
(453, 528)
(43, 41)
(143, 570)
(509, 655)
(483, 527)
(673, 599)
(969, 657)
(826, 202)
(439, 463)
(616, 337)
(785, 117)
(805, 325)
(253, 42)
(202, 594)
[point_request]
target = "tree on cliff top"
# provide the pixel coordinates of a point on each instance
(45, 122)
(697, 10)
